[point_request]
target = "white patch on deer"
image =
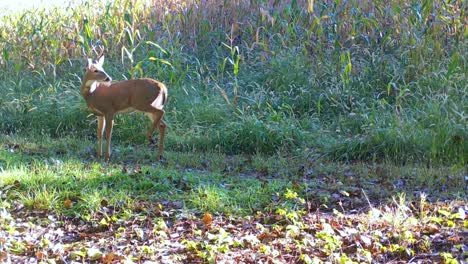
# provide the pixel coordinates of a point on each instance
(92, 84)
(93, 87)
(158, 102)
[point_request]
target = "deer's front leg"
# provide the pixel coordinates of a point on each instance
(100, 131)
(109, 120)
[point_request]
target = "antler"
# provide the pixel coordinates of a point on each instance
(85, 55)
(100, 53)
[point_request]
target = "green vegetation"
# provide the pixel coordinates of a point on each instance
(297, 133)
(352, 81)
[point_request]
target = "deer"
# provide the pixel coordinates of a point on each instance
(106, 99)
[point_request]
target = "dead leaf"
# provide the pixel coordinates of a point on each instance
(344, 193)
(110, 258)
(17, 184)
(67, 203)
(207, 220)
(264, 236)
(430, 229)
(94, 253)
(296, 186)
(104, 203)
(366, 241)
(3, 255)
(40, 255)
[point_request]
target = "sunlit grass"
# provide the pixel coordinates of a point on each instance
(76, 184)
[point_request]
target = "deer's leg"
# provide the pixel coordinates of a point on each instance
(149, 134)
(156, 118)
(100, 131)
(109, 120)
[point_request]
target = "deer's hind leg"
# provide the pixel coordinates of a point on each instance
(109, 123)
(150, 132)
(157, 122)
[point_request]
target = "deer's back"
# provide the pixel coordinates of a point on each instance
(144, 95)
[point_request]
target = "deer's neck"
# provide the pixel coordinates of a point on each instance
(88, 87)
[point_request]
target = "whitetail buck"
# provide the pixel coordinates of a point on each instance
(105, 99)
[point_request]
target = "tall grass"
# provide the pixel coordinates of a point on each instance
(353, 80)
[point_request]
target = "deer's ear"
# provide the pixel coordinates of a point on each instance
(90, 62)
(100, 61)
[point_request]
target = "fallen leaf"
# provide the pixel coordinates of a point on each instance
(76, 254)
(104, 203)
(264, 236)
(94, 253)
(296, 186)
(430, 229)
(40, 255)
(67, 203)
(462, 214)
(109, 258)
(3, 255)
(344, 193)
(207, 220)
(366, 241)
(17, 184)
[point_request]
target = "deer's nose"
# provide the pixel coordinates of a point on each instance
(108, 79)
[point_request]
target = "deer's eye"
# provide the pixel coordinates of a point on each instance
(96, 71)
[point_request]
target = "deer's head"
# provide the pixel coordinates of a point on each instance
(95, 71)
